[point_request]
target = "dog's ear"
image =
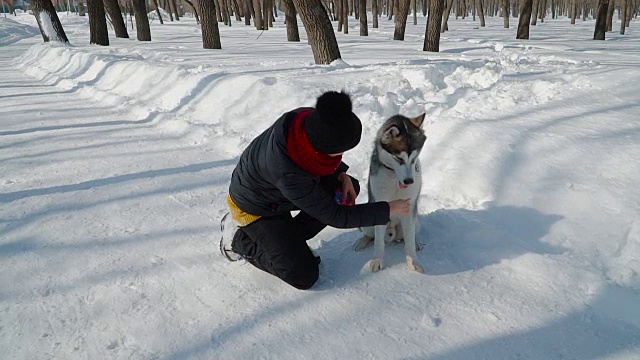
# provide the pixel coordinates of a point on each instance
(391, 133)
(418, 120)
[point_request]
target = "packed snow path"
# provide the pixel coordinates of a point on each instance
(110, 207)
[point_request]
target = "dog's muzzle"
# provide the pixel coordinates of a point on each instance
(405, 183)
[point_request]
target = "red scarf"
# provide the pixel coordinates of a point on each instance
(302, 152)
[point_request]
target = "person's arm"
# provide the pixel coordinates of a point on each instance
(307, 194)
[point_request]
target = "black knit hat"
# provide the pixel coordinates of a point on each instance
(332, 128)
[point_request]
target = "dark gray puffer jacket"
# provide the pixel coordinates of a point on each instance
(266, 182)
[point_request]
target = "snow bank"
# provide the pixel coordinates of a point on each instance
(201, 96)
(12, 31)
(114, 79)
(152, 15)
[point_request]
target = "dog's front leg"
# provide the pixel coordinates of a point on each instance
(409, 228)
(376, 264)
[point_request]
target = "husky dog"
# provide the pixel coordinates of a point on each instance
(394, 174)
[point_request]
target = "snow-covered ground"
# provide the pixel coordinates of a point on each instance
(115, 162)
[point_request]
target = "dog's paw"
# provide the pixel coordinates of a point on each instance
(362, 243)
(419, 245)
(414, 265)
(375, 265)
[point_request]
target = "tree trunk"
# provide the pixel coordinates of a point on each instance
(226, 11)
(257, 15)
(601, 20)
(142, 20)
(630, 11)
(209, 25)
(275, 9)
(265, 15)
(130, 11)
(115, 13)
(195, 11)
(434, 21)
(339, 13)
(290, 17)
(220, 18)
(223, 17)
(525, 18)
(447, 12)
(236, 10)
(219, 12)
(414, 6)
(375, 12)
(362, 9)
(81, 9)
(345, 15)
(11, 9)
(248, 11)
(623, 16)
(610, 10)
(401, 19)
(574, 11)
(319, 31)
(473, 10)
(505, 13)
(167, 5)
(270, 13)
(47, 18)
(481, 13)
(155, 2)
(97, 23)
(534, 12)
(175, 9)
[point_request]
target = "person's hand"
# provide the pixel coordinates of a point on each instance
(347, 190)
(399, 207)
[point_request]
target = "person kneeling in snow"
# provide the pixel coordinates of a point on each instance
(296, 164)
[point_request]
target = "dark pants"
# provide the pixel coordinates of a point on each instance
(278, 244)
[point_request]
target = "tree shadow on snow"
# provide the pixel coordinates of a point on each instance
(462, 240)
(455, 240)
(608, 325)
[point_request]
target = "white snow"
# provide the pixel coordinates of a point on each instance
(152, 15)
(115, 162)
(12, 31)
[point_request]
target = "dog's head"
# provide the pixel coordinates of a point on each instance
(400, 140)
